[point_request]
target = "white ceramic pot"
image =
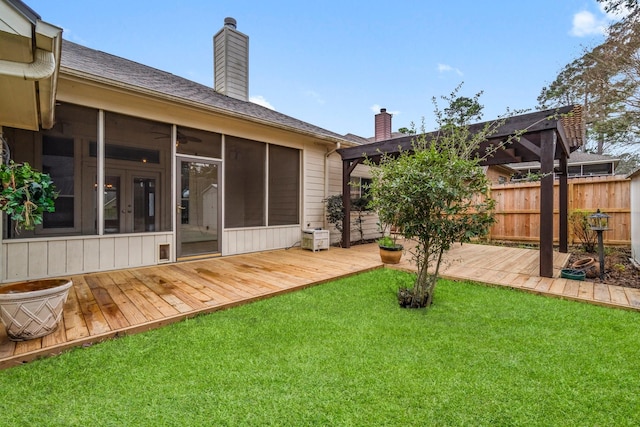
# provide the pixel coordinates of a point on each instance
(32, 309)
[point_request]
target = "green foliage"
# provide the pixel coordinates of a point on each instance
(335, 211)
(388, 242)
(436, 193)
(359, 205)
(579, 220)
(407, 131)
(26, 194)
(344, 354)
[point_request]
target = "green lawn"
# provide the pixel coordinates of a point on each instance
(344, 354)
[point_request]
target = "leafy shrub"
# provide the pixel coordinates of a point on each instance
(579, 220)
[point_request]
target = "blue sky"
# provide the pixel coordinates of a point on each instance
(336, 63)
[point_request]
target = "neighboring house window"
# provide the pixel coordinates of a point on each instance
(284, 185)
(594, 169)
(574, 171)
(244, 165)
(597, 169)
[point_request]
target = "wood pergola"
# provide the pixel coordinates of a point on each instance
(546, 136)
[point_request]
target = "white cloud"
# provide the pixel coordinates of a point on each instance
(586, 23)
(444, 68)
(315, 96)
(259, 99)
(68, 34)
(376, 109)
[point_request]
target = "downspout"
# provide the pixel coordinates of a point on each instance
(326, 181)
(2, 261)
(41, 68)
(43, 71)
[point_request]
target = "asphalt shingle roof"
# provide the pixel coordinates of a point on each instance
(123, 71)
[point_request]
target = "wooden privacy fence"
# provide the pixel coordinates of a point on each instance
(518, 208)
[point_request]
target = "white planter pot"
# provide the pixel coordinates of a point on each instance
(32, 309)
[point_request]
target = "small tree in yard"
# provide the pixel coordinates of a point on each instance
(437, 193)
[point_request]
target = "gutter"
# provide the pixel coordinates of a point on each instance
(41, 68)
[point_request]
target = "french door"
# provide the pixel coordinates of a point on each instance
(199, 207)
(130, 201)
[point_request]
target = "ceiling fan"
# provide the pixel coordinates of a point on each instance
(181, 137)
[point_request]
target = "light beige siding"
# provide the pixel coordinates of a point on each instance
(28, 259)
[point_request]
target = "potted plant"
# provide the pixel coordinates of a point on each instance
(390, 250)
(29, 309)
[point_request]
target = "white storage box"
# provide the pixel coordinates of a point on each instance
(314, 240)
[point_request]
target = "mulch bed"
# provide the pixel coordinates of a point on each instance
(618, 268)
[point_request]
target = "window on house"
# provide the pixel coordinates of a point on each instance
(284, 185)
(245, 166)
(137, 178)
(61, 152)
(359, 192)
(58, 161)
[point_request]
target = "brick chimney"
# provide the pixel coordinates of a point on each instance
(383, 125)
(231, 61)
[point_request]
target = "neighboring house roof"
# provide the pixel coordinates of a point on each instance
(357, 139)
(393, 135)
(77, 59)
(576, 158)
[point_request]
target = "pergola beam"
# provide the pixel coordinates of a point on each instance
(544, 136)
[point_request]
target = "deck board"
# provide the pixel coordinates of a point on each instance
(107, 304)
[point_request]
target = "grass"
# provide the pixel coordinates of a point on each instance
(344, 354)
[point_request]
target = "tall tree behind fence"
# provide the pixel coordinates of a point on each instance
(518, 208)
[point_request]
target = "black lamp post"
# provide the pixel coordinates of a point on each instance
(599, 222)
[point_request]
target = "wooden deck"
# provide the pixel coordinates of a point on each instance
(105, 305)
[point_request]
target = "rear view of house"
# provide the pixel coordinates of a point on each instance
(150, 167)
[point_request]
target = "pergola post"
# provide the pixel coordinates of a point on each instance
(346, 203)
(547, 151)
(564, 204)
